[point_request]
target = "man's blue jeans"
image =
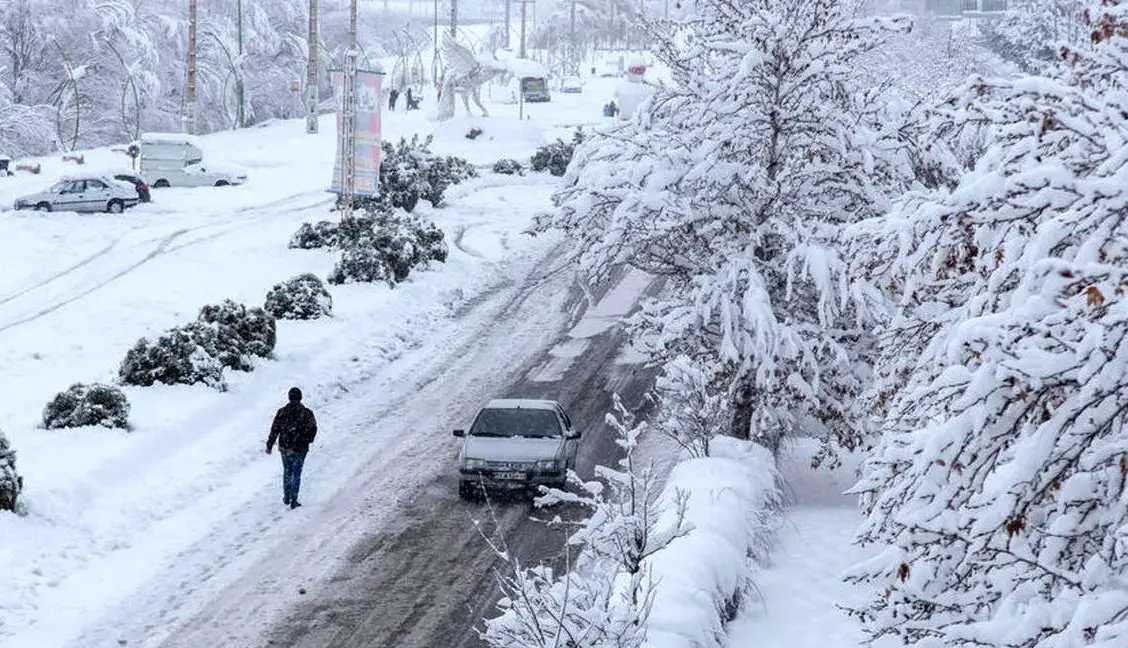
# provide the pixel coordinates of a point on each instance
(291, 474)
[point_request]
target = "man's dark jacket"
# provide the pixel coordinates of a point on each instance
(294, 428)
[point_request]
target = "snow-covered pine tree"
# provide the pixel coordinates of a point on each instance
(999, 487)
(734, 183)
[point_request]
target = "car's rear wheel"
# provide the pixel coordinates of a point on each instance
(466, 490)
(222, 183)
(43, 206)
(115, 207)
(161, 184)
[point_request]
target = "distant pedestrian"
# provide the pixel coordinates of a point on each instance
(392, 97)
(294, 428)
(412, 104)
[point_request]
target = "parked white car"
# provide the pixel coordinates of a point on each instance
(572, 85)
(517, 444)
(176, 160)
(82, 194)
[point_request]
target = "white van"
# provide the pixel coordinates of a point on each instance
(176, 160)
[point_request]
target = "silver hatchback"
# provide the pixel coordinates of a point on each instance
(82, 194)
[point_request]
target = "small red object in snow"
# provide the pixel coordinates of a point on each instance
(77, 159)
(33, 168)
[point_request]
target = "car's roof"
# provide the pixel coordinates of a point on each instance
(522, 403)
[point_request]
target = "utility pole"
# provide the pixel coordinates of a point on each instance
(313, 45)
(348, 120)
(435, 58)
(507, 23)
(190, 95)
(574, 63)
(453, 18)
(521, 51)
(240, 94)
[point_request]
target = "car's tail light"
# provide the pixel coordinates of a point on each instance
(143, 187)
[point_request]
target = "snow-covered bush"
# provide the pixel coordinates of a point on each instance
(310, 236)
(183, 355)
(363, 265)
(303, 297)
(997, 492)
(556, 156)
(732, 508)
(387, 247)
(82, 405)
(243, 333)
(409, 171)
(10, 481)
(508, 166)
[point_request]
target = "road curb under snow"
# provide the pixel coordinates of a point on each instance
(701, 579)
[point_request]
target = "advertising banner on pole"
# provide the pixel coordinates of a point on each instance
(367, 150)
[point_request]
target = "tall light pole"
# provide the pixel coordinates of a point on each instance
(240, 95)
(507, 23)
(521, 50)
(435, 57)
(348, 120)
(190, 95)
(574, 64)
(313, 46)
(453, 18)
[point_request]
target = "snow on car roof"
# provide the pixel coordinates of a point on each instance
(521, 403)
(168, 138)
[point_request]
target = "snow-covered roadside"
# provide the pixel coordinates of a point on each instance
(732, 504)
(801, 583)
(135, 499)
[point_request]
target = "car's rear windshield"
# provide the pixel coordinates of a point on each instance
(516, 422)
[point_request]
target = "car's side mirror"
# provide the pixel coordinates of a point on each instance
(460, 433)
(572, 434)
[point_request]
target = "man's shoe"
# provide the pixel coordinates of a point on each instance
(295, 504)
(286, 501)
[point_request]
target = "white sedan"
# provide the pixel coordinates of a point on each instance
(82, 194)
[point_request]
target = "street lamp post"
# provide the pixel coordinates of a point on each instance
(240, 95)
(313, 47)
(190, 95)
(348, 120)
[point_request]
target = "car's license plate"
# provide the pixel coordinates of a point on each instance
(509, 475)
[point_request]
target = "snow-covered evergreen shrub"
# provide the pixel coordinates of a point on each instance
(242, 333)
(183, 355)
(10, 481)
(388, 249)
(556, 156)
(82, 405)
(508, 166)
(362, 265)
(303, 297)
(997, 492)
(409, 171)
(315, 235)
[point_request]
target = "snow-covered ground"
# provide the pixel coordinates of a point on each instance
(801, 587)
(188, 493)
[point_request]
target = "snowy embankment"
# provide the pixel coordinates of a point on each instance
(732, 501)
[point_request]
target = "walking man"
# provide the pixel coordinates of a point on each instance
(294, 428)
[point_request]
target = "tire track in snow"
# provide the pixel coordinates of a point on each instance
(163, 246)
